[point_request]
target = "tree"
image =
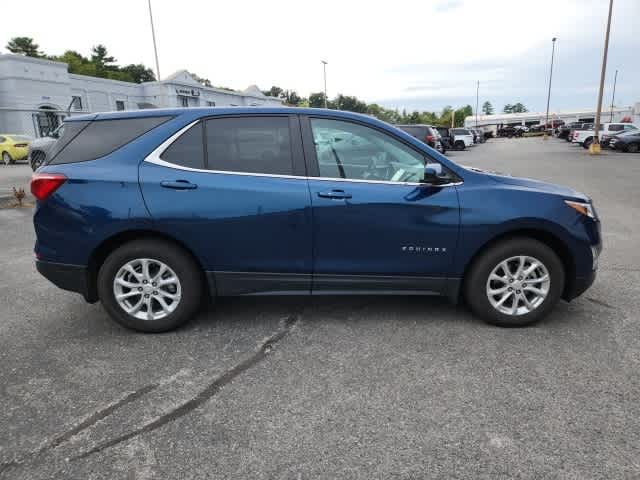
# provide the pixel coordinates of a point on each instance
(291, 97)
(316, 100)
(102, 60)
(273, 92)
(24, 46)
(487, 108)
(519, 108)
(350, 104)
(205, 82)
(515, 108)
(139, 73)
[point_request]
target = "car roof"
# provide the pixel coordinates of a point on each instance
(198, 112)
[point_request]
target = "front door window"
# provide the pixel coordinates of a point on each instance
(354, 152)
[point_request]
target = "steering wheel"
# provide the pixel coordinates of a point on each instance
(382, 170)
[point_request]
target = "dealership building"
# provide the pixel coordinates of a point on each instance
(36, 94)
(617, 114)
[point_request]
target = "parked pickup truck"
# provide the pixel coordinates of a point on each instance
(585, 137)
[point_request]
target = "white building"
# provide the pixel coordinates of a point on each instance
(36, 94)
(538, 118)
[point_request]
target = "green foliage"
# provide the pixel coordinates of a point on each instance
(139, 73)
(205, 82)
(487, 108)
(516, 108)
(316, 100)
(24, 46)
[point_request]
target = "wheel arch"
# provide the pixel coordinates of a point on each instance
(102, 251)
(550, 239)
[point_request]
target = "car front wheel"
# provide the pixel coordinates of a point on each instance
(515, 282)
(150, 285)
(6, 158)
(633, 148)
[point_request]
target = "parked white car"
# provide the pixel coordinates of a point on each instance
(461, 138)
(40, 147)
(585, 137)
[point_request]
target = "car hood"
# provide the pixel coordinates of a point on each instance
(42, 142)
(533, 184)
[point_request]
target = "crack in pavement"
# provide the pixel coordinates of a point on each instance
(88, 422)
(600, 302)
(213, 388)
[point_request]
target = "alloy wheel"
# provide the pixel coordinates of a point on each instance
(518, 285)
(147, 289)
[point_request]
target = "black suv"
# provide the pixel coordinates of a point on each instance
(426, 134)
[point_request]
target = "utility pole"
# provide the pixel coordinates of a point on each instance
(594, 148)
(553, 51)
(477, 101)
(613, 97)
(324, 68)
(155, 47)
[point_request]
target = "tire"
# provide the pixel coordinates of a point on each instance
(587, 143)
(477, 283)
(6, 158)
(633, 148)
(188, 289)
(459, 145)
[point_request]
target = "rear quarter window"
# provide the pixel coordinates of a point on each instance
(83, 141)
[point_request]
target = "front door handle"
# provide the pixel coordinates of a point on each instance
(179, 185)
(335, 194)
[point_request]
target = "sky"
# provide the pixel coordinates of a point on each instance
(418, 55)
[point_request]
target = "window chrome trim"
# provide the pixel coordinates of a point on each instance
(154, 157)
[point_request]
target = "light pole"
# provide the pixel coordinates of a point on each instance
(553, 51)
(477, 101)
(594, 148)
(324, 69)
(153, 35)
(613, 97)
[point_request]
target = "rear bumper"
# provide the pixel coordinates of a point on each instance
(73, 278)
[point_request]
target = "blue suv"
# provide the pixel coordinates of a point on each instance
(153, 211)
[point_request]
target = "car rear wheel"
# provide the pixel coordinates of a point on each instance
(515, 283)
(150, 285)
(459, 145)
(587, 143)
(6, 158)
(633, 148)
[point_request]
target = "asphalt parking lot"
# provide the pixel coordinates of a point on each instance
(363, 387)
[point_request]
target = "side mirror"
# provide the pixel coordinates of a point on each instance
(433, 176)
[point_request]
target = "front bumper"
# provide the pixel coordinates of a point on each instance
(73, 278)
(579, 286)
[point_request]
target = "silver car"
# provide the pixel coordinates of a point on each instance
(40, 147)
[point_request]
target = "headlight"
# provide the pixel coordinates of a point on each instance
(583, 208)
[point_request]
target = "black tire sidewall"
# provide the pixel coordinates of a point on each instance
(178, 260)
(475, 283)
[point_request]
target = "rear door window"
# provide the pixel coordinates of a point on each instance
(249, 145)
(187, 150)
(83, 141)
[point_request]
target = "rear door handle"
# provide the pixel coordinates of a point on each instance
(179, 184)
(335, 194)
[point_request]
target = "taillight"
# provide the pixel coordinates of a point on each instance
(44, 184)
(429, 138)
